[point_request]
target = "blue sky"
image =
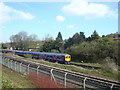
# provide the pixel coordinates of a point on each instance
(42, 18)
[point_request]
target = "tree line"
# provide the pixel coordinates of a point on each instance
(82, 49)
(22, 41)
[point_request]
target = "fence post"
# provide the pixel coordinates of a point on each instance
(84, 81)
(28, 68)
(112, 86)
(15, 65)
(52, 76)
(65, 79)
(11, 64)
(20, 67)
(37, 70)
(3, 61)
(8, 63)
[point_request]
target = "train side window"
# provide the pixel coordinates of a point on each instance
(58, 57)
(62, 57)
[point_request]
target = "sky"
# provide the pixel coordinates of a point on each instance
(49, 18)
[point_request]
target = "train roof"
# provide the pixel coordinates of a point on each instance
(48, 53)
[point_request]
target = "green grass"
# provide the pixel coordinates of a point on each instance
(90, 64)
(12, 79)
(103, 73)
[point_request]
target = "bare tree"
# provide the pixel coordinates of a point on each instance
(22, 41)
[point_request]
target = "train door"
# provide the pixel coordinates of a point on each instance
(54, 57)
(44, 57)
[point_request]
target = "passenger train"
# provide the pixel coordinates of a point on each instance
(63, 58)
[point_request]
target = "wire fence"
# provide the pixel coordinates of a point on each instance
(27, 68)
(64, 78)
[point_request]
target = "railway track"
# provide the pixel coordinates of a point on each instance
(85, 66)
(73, 78)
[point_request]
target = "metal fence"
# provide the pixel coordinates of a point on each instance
(26, 68)
(63, 77)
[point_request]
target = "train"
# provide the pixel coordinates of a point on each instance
(54, 57)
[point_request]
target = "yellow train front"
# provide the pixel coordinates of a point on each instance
(67, 59)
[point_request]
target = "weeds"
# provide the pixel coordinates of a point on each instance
(7, 84)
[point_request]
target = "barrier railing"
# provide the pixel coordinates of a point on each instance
(66, 78)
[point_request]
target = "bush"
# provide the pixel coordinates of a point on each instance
(109, 64)
(55, 51)
(94, 51)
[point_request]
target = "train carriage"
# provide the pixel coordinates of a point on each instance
(64, 58)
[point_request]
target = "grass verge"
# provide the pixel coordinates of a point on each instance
(12, 79)
(89, 64)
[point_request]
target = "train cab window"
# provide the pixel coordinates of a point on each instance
(66, 57)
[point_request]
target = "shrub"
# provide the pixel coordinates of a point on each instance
(55, 51)
(109, 64)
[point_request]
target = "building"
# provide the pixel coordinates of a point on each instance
(115, 36)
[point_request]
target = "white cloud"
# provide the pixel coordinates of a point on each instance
(60, 18)
(70, 26)
(89, 10)
(7, 14)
